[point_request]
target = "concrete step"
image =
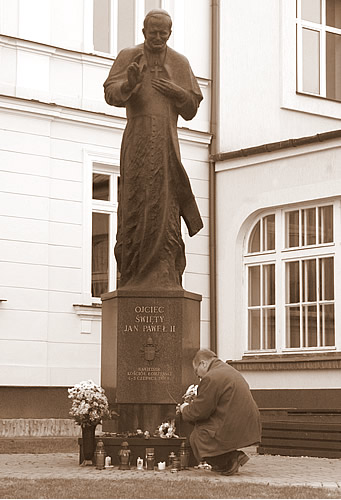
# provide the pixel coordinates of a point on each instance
(35, 445)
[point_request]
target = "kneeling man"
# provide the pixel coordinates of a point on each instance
(224, 413)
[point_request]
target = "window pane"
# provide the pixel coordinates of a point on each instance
(311, 10)
(152, 4)
(254, 286)
(333, 65)
(309, 226)
(101, 25)
(309, 326)
(269, 284)
(326, 224)
(293, 326)
(291, 229)
(327, 278)
(327, 324)
(292, 282)
(254, 242)
(100, 254)
(269, 328)
(333, 12)
(254, 329)
(100, 187)
(309, 280)
(311, 60)
(269, 232)
(126, 24)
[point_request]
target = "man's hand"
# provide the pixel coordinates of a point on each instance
(134, 75)
(169, 89)
(183, 406)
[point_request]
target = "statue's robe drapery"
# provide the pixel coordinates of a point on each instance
(155, 191)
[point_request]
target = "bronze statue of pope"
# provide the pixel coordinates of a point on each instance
(155, 84)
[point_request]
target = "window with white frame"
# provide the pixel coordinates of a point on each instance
(118, 23)
(261, 290)
(290, 261)
(319, 48)
(105, 185)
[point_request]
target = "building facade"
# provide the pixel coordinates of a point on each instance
(59, 169)
(278, 185)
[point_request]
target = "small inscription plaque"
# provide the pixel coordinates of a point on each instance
(149, 349)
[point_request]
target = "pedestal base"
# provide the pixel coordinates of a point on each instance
(149, 340)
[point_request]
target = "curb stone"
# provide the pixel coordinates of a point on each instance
(260, 470)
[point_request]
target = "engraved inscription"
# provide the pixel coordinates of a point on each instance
(149, 373)
(149, 349)
(149, 319)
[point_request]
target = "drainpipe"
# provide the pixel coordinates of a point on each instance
(212, 191)
(212, 259)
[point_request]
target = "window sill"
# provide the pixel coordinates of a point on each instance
(317, 96)
(279, 362)
(87, 314)
(311, 104)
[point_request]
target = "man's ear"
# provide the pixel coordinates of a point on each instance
(143, 32)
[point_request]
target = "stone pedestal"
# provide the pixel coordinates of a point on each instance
(148, 342)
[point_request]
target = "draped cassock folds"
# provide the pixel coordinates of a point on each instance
(155, 191)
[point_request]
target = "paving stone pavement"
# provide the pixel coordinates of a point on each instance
(261, 469)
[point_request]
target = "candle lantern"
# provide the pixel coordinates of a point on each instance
(171, 457)
(184, 456)
(100, 455)
(175, 465)
(150, 458)
(124, 456)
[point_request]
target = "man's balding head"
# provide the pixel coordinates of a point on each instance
(202, 361)
(204, 355)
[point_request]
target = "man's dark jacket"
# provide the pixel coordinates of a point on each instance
(225, 414)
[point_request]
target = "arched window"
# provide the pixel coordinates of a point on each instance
(289, 264)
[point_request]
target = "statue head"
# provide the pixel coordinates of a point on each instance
(157, 29)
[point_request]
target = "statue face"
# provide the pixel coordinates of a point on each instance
(157, 33)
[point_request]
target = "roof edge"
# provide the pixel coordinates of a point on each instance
(276, 146)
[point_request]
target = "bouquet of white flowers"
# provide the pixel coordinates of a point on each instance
(167, 429)
(190, 394)
(89, 403)
(188, 397)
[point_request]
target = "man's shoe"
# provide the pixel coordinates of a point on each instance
(238, 460)
(218, 468)
(220, 463)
